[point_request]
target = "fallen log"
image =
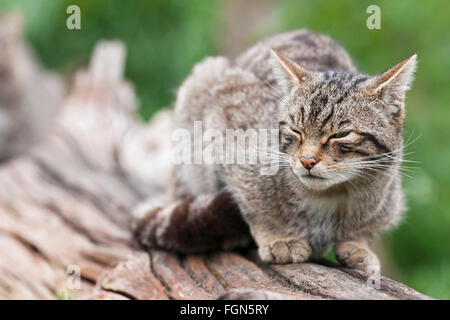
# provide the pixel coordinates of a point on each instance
(65, 214)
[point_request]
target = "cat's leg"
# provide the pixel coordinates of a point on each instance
(356, 254)
(277, 247)
(267, 214)
(195, 224)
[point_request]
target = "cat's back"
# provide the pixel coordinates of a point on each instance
(235, 94)
(313, 51)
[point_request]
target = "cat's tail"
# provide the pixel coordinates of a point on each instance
(197, 224)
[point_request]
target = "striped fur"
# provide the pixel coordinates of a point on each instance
(196, 224)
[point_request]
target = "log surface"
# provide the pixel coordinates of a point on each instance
(65, 207)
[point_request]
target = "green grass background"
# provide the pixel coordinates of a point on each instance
(165, 38)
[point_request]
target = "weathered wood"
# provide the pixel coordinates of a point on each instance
(29, 96)
(67, 204)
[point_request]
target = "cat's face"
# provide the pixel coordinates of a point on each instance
(337, 127)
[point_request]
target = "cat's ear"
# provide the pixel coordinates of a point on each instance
(392, 84)
(290, 74)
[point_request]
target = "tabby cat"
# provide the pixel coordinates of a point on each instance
(340, 154)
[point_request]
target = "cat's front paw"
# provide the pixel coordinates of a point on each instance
(285, 250)
(357, 255)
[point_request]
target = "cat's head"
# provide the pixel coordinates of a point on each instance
(336, 126)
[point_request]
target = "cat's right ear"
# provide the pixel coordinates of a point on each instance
(289, 74)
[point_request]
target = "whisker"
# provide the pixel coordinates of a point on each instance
(283, 99)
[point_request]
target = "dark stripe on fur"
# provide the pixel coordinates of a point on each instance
(328, 118)
(375, 141)
(358, 81)
(302, 112)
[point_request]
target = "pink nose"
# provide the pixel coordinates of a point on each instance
(308, 161)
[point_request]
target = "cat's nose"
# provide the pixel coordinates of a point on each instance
(308, 161)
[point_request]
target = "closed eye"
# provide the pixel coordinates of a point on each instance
(340, 135)
(296, 131)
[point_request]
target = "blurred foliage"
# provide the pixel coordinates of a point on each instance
(165, 38)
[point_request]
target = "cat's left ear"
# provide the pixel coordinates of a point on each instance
(392, 85)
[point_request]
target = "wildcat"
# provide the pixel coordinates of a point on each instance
(340, 155)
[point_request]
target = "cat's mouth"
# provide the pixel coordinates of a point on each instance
(312, 177)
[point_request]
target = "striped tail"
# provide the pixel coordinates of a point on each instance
(196, 224)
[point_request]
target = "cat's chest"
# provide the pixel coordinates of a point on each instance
(318, 208)
(324, 218)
